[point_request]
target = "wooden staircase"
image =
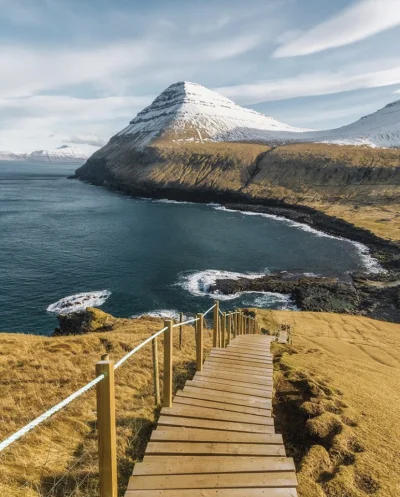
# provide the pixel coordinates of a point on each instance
(218, 438)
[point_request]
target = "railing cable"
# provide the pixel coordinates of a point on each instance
(27, 428)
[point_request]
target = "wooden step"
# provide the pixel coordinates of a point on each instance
(215, 492)
(199, 435)
(214, 448)
(243, 378)
(253, 366)
(180, 399)
(212, 480)
(227, 354)
(230, 389)
(211, 424)
(232, 381)
(201, 394)
(232, 369)
(209, 413)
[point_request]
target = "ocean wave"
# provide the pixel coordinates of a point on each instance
(266, 300)
(371, 264)
(79, 302)
(161, 313)
(200, 282)
(168, 201)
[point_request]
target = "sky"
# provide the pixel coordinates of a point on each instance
(77, 71)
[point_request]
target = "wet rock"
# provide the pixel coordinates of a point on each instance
(87, 321)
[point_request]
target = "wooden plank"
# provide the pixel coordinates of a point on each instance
(218, 464)
(231, 389)
(243, 364)
(239, 369)
(239, 357)
(208, 480)
(253, 365)
(218, 492)
(211, 424)
(199, 435)
(229, 395)
(209, 413)
(228, 352)
(214, 448)
(221, 405)
(240, 362)
(233, 382)
(198, 393)
(243, 378)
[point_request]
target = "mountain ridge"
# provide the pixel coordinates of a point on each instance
(188, 112)
(64, 153)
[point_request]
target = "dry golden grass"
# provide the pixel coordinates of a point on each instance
(350, 155)
(339, 394)
(383, 220)
(37, 372)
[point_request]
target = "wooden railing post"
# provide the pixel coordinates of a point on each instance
(168, 348)
(216, 321)
(106, 428)
(235, 324)
(156, 374)
(199, 342)
(229, 329)
(180, 330)
(223, 329)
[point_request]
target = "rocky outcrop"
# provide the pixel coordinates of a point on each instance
(87, 321)
(357, 294)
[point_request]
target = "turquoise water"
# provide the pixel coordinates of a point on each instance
(60, 237)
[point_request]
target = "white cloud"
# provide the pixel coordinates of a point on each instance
(354, 23)
(231, 47)
(93, 140)
(34, 70)
(318, 83)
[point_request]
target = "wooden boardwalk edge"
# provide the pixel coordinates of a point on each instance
(218, 437)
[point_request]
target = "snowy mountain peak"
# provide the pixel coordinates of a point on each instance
(188, 111)
(65, 153)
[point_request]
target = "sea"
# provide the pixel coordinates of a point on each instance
(65, 244)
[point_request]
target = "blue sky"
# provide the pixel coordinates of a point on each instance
(76, 72)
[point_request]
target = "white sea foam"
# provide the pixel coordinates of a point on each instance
(371, 264)
(168, 201)
(79, 302)
(266, 299)
(199, 283)
(161, 313)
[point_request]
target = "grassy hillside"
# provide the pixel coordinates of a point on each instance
(337, 402)
(59, 458)
(339, 180)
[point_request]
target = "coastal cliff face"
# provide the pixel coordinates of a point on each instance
(312, 175)
(288, 173)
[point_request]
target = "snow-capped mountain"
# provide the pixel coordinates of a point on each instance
(190, 112)
(187, 112)
(7, 155)
(380, 129)
(65, 153)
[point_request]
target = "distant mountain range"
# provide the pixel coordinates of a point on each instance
(65, 153)
(186, 112)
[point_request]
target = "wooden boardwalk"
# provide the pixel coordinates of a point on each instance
(218, 438)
